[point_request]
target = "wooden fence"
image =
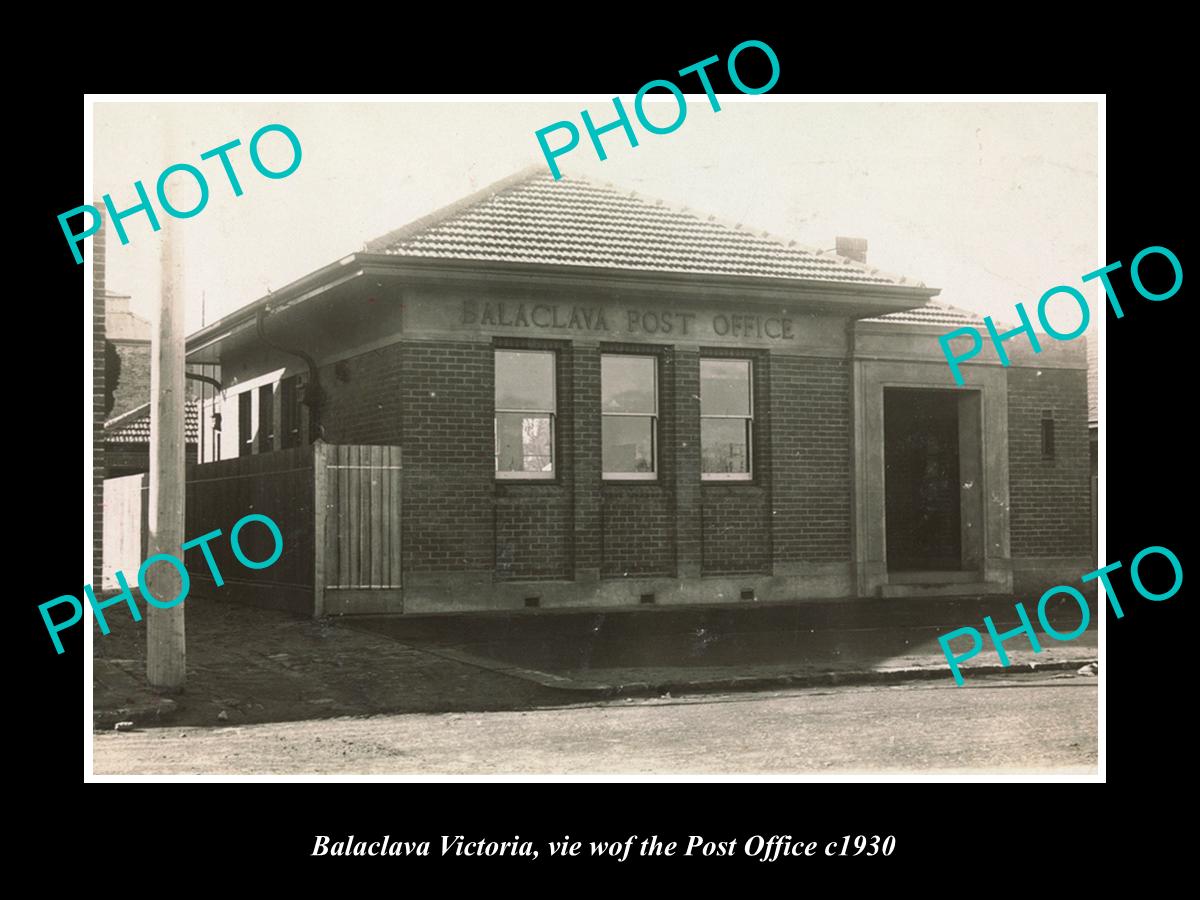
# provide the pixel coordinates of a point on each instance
(337, 508)
(277, 485)
(358, 564)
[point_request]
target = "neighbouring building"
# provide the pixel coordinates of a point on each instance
(127, 373)
(127, 440)
(564, 394)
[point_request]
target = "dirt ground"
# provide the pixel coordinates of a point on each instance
(999, 723)
(247, 665)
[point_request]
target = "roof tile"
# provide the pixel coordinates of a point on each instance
(933, 313)
(134, 426)
(574, 222)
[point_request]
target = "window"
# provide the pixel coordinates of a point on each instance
(726, 419)
(525, 408)
(629, 407)
(245, 428)
(266, 418)
(1047, 435)
(289, 412)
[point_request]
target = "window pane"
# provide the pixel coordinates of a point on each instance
(725, 387)
(266, 418)
(628, 444)
(289, 412)
(245, 429)
(525, 380)
(724, 445)
(523, 443)
(627, 384)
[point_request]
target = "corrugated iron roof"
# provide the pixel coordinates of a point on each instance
(133, 427)
(531, 218)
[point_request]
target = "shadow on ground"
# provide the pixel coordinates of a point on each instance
(248, 665)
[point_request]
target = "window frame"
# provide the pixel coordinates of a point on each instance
(290, 416)
(265, 438)
(552, 414)
(1048, 436)
(653, 417)
(247, 437)
(749, 474)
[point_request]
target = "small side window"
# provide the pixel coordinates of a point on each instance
(1047, 435)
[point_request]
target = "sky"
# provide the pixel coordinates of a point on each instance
(993, 203)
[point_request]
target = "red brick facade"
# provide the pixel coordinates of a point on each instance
(1051, 496)
(435, 400)
(405, 336)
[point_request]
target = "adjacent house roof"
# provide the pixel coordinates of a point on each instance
(133, 427)
(933, 313)
(531, 218)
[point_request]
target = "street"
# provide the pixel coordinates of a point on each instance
(1013, 722)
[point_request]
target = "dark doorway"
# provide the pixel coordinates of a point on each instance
(923, 500)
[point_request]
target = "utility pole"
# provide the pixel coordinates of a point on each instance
(165, 648)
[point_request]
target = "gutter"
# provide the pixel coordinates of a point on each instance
(314, 395)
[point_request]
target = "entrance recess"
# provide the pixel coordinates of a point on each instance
(932, 484)
(909, 396)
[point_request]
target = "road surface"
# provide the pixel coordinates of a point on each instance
(1009, 722)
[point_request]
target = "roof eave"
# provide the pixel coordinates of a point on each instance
(896, 297)
(295, 292)
(389, 261)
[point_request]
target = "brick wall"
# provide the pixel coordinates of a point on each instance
(133, 383)
(446, 394)
(1050, 498)
(638, 518)
(811, 488)
(535, 522)
(737, 535)
(435, 400)
(584, 398)
(736, 525)
(362, 399)
(533, 532)
(98, 390)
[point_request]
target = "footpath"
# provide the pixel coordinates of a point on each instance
(249, 665)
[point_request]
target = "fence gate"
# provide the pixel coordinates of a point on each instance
(357, 529)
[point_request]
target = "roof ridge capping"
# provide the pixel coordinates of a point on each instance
(128, 416)
(191, 407)
(380, 244)
(786, 243)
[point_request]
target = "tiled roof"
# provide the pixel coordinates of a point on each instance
(134, 426)
(933, 313)
(531, 218)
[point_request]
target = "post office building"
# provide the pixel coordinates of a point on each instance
(562, 394)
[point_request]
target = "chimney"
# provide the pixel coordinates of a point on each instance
(852, 248)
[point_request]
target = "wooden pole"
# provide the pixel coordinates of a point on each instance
(165, 647)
